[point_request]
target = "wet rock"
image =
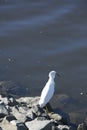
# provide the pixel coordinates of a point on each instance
(10, 89)
(39, 125)
(85, 121)
(82, 126)
(3, 110)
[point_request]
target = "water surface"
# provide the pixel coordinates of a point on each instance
(39, 36)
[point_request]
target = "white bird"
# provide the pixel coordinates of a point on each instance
(48, 90)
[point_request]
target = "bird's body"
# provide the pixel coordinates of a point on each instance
(48, 90)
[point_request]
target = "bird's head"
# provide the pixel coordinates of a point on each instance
(52, 74)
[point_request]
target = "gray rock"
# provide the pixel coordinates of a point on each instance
(19, 116)
(9, 88)
(63, 127)
(37, 110)
(3, 110)
(21, 126)
(85, 121)
(29, 101)
(82, 126)
(39, 125)
(23, 109)
(30, 115)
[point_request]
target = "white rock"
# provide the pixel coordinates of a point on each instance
(61, 127)
(39, 125)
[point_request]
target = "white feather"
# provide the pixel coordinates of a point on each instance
(48, 90)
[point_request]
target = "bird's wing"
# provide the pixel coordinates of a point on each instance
(47, 94)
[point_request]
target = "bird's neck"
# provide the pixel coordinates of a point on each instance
(51, 79)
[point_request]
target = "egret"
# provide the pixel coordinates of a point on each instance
(48, 90)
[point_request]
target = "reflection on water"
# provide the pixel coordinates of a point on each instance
(39, 36)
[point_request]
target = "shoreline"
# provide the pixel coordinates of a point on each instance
(24, 113)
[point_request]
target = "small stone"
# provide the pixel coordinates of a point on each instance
(82, 126)
(55, 116)
(9, 59)
(3, 110)
(63, 127)
(81, 93)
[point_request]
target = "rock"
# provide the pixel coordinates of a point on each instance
(82, 126)
(25, 114)
(55, 116)
(13, 125)
(30, 115)
(21, 126)
(29, 101)
(4, 99)
(39, 125)
(9, 118)
(85, 121)
(63, 127)
(14, 122)
(37, 110)
(19, 116)
(12, 102)
(9, 88)
(23, 110)
(3, 110)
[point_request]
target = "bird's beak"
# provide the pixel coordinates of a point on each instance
(58, 75)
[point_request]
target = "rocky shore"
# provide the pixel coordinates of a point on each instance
(24, 113)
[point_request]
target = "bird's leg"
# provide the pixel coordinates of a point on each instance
(48, 108)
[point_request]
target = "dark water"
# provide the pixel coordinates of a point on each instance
(39, 36)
